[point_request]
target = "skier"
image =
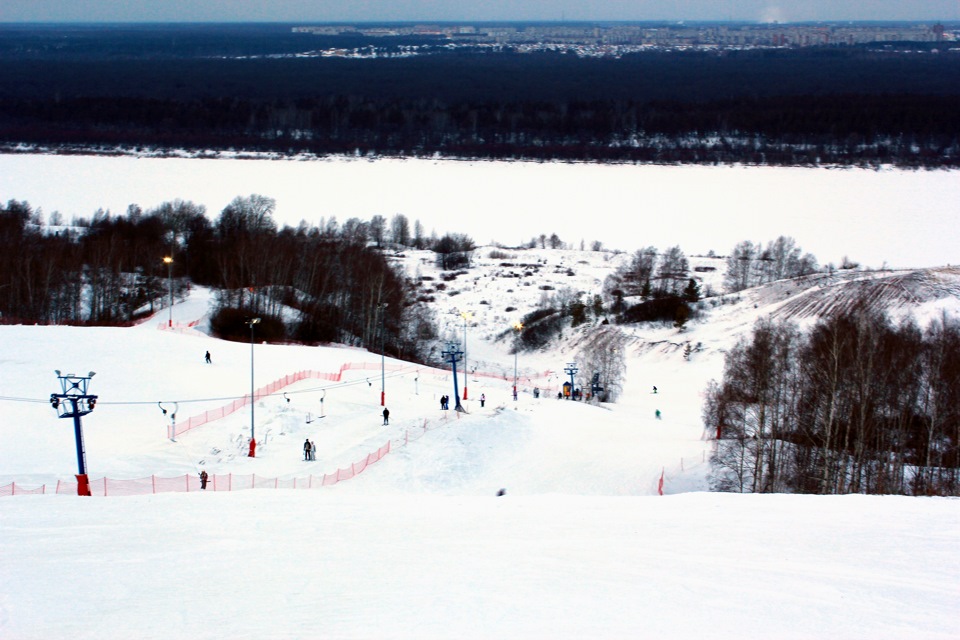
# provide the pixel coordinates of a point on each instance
(386, 416)
(203, 480)
(313, 451)
(207, 358)
(657, 414)
(483, 399)
(307, 449)
(654, 389)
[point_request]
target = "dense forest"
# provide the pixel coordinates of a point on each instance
(307, 284)
(855, 405)
(220, 88)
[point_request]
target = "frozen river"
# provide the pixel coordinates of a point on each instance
(887, 217)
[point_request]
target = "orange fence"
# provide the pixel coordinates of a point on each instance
(186, 483)
(235, 482)
(270, 389)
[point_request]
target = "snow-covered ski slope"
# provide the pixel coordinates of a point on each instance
(419, 545)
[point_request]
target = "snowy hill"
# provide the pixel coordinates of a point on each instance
(416, 544)
(149, 373)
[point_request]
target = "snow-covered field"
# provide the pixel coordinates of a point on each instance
(419, 544)
(888, 216)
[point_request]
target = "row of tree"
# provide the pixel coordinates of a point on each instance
(750, 265)
(112, 271)
(856, 405)
(604, 131)
(647, 274)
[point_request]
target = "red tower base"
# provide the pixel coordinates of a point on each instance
(83, 485)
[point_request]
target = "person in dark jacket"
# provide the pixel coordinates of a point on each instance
(386, 416)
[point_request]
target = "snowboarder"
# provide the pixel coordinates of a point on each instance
(307, 449)
(483, 399)
(203, 480)
(386, 416)
(207, 357)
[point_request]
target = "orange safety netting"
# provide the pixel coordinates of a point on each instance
(272, 388)
(190, 483)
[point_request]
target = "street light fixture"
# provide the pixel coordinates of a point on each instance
(466, 315)
(518, 326)
(253, 442)
(168, 260)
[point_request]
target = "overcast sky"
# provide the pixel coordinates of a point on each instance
(465, 10)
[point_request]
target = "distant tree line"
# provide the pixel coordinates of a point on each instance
(855, 405)
(851, 130)
(309, 284)
(809, 107)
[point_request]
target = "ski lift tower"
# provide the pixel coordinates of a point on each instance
(74, 401)
(571, 370)
(595, 387)
(453, 353)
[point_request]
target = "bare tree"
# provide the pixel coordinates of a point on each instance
(632, 279)
(603, 352)
(400, 230)
(739, 267)
(419, 241)
(378, 229)
(673, 272)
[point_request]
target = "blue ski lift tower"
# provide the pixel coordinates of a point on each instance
(74, 401)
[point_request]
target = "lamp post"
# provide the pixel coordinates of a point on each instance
(253, 442)
(382, 307)
(168, 260)
(518, 326)
(466, 315)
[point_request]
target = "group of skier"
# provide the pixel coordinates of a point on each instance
(309, 450)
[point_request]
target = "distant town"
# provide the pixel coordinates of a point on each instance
(619, 38)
